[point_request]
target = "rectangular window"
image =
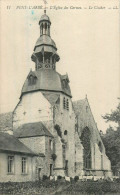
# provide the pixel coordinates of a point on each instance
(24, 165)
(51, 144)
(10, 164)
(75, 166)
(101, 161)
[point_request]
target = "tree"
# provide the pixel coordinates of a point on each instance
(111, 139)
(114, 116)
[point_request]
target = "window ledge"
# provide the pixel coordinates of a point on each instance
(10, 173)
(24, 174)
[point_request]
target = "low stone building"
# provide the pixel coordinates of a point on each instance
(62, 133)
(17, 162)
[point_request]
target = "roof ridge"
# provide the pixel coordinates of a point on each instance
(79, 100)
(13, 140)
(32, 129)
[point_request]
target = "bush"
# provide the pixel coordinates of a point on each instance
(62, 140)
(76, 178)
(59, 177)
(71, 179)
(57, 128)
(59, 133)
(45, 177)
(54, 156)
(117, 180)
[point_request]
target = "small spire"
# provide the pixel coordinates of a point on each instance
(45, 11)
(86, 96)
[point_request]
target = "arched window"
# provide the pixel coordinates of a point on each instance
(49, 30)
(45, 28)
(65, 132)
(31, 80)
(85, 138)
(41, 27)
(100, 146)
(50, 144)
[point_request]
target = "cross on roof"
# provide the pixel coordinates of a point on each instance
(45, 2)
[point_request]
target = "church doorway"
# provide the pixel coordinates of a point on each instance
(85, 138)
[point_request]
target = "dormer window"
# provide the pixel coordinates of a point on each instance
(32, 80)
(64, 83)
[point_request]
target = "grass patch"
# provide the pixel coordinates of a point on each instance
(51, 187)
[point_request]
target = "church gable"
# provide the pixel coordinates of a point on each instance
(32, 78)
(85, 119)
(52, 97)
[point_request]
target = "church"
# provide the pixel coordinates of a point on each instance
(51, 134)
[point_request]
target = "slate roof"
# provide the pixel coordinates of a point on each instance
(45, 40)
(47, 80)
(78, 105)
(9, 143)
(32, 130)
(6, 121)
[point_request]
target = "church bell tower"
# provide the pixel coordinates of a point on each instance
(44, 85)
(45, 52)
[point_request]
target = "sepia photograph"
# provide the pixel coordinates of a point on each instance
(59, 97)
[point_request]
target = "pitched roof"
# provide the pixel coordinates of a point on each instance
(9, 143)
(47, 80)
(6, 121)
(78, 105)
(32, 130)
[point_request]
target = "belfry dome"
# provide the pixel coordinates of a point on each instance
(44, 17)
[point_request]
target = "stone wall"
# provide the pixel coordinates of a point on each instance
(48, 156)
(86, 119)
(78, 155)
(40, 145)
(36, 144)
(65, 118)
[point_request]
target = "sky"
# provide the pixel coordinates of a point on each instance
(87, 37)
